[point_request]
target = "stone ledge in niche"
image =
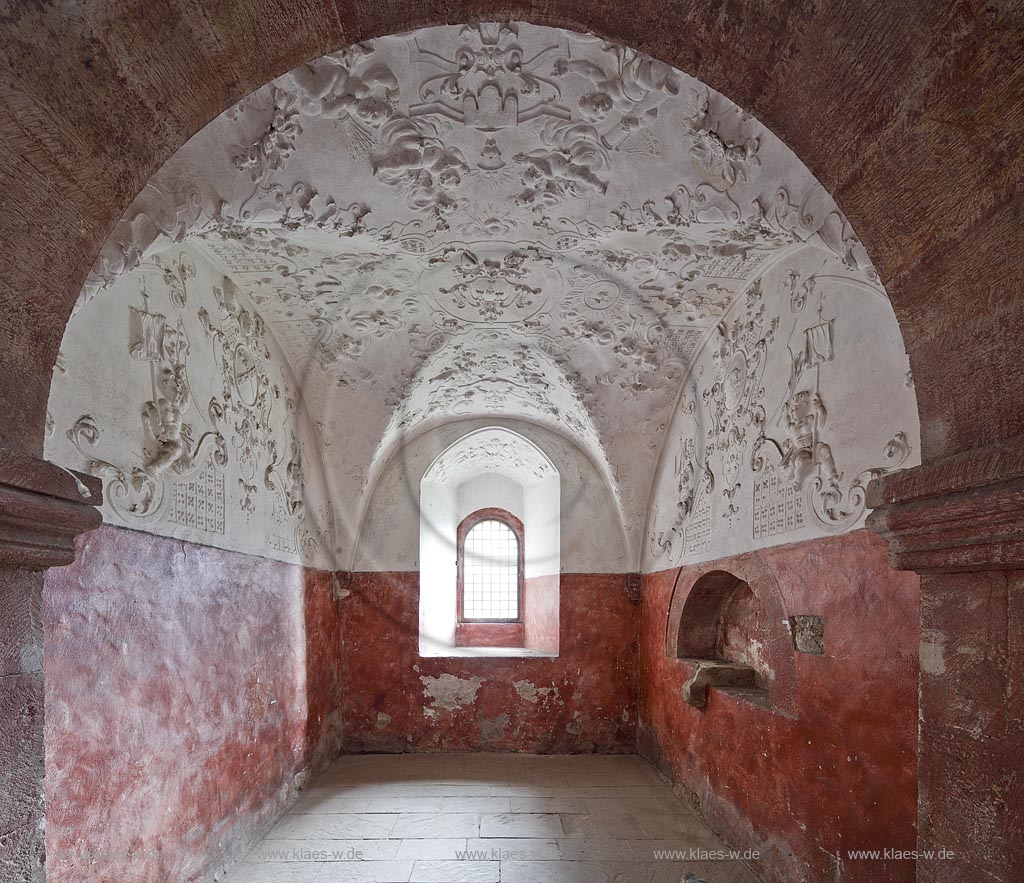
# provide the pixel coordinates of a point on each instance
(739, 681)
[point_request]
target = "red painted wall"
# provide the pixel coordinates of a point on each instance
(584, 700)
(972, 726)
(540, 612)
(842, 774)
(182, 699)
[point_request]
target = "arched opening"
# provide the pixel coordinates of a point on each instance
(490, 528)
(490, 567)
(246, 465)
(505, 223)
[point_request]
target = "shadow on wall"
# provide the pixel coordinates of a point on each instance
(190, 692)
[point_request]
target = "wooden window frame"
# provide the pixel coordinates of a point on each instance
(465, 526)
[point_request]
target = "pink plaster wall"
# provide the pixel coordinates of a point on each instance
(582, 701)
(184, 695)
(842, 774)
(540, 612)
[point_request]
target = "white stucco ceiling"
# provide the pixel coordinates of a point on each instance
(494, 450)
(507, 221)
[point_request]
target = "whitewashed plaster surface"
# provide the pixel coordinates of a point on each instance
(171, 388)
(501, 221)
(802, 395)
(590, 538)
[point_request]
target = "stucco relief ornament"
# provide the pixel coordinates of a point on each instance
(804, 454)
(269, 153)
(692, 482)
(488, 84)
(799, 292)
(156, 218)
(129, 491)
(838, 508)
(414, 159)
(489, 451)
(348, 84)
(177, 274)
(731, 162)
(734, 401)
(692, 479)
(287, 478)
(169, 444)
(627, 87)
(307, 208)
(489, 286)
(814, 218)
(573, 163)
(247, 393)
(677, 211)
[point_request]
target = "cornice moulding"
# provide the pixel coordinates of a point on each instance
(960, 513)
(42, 509)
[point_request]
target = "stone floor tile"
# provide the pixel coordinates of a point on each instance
(602, 850)
(399, 803)
(485, 818)
(431, 849)
(334, 826)
(514, 849)
(324, 850)
(619, 806)
(455, 872)
(476, 804)
(436, 825)
(330, 803)
(548, 804)
(593, 827)
(365, 872)
(535, 825)
(280, 872)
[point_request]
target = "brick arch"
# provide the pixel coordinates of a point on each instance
(95, 103)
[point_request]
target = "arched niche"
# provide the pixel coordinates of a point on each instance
(488, 470)
(729, 626)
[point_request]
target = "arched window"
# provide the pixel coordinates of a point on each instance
(490, 567)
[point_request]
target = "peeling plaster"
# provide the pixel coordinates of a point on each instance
(449, 692)
(491, 729)
(933, 653)
(532, 693)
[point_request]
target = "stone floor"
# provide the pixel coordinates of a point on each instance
(486, 818)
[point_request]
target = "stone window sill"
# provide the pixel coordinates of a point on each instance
(488, 652)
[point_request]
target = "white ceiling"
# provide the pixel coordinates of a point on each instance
(494, 450)
(507, 221)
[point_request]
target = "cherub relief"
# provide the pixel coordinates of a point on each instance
(634, 85)
(573, 164)
(332, 87)
(163, 418)
(416, 159)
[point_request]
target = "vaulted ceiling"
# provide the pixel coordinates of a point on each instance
(494, 220)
